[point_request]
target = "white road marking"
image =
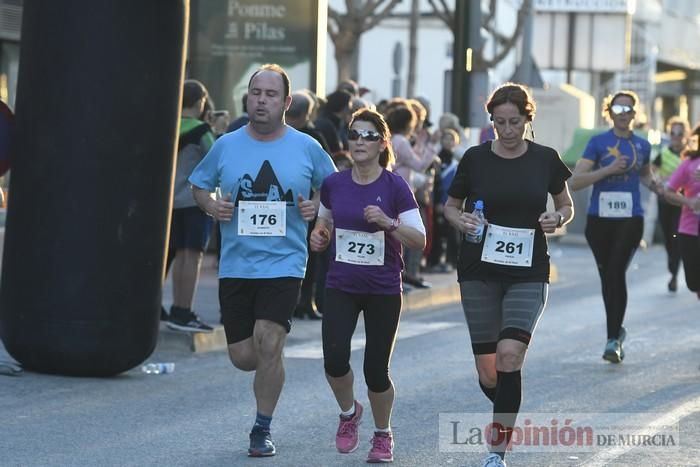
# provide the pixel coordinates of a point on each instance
(313, 349)
(607, 456)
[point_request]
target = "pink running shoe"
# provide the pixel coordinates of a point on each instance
(346, 439)
(382, 448)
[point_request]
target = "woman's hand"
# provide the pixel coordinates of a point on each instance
(468, 223)
(320, 239)
(374, 214)
(549, 221)
(618, 167)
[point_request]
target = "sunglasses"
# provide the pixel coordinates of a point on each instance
(367, 135)
(618, 109)
(677, 133)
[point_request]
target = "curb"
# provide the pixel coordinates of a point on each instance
(414, 301)
(198, 342)
(170, 340)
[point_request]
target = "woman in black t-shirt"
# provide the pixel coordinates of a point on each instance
(504, 277)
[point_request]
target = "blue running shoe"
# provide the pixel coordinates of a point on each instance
(261, 444)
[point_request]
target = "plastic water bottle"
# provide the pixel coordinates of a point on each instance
(478, 212)
(158, 368)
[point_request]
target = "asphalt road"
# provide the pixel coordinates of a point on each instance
(201, 414)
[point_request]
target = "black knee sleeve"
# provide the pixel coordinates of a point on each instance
(506, 407)
(336, 369)
(377, 378)
(508, 392)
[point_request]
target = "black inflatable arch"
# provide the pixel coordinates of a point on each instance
(97, 108)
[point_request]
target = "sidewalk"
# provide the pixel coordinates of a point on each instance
(444, 291)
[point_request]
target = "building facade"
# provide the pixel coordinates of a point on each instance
(661, 46)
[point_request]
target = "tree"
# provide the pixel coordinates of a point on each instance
(505, 43)
(346, 28)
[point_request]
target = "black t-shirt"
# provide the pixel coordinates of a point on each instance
(514, 192)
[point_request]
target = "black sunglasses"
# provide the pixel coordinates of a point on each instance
(367, 135)
(619, 109)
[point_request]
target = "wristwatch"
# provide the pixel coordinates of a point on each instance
(394, 225)
(561, 220)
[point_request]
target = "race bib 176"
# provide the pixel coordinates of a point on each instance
(262, 218)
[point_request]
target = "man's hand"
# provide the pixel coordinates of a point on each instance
(307, 208)
(223, 209)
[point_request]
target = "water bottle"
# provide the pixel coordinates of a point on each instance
(478, 212)
(158, 368)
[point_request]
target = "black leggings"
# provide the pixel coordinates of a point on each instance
(668, 220)
(613, 242)
(381, 315)
(690, 252)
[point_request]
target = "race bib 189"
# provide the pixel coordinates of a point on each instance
(262, 218)
(363, 248)
(508, 246)
(615, 204)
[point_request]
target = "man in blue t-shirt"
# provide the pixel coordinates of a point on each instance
(263, 173)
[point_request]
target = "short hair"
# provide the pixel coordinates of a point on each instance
(192, 92)
(300, 106)
(209, 107)
(277, 69)
(350, 86)
(386, 158)
(401, 119)
(677, 120)
(419, 109)
(337, 101)
(360, 103)
(315, 100)
(393, 103)
(426, 104)
(610, 99)
(515, 94)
